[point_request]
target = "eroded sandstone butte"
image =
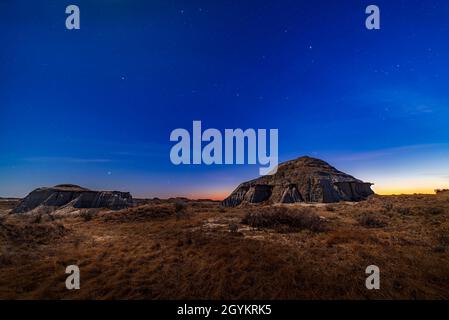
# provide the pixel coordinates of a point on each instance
(304, 179)
(74, 196)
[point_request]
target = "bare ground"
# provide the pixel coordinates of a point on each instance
(200, 250)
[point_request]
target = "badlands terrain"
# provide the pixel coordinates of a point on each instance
(182, 249)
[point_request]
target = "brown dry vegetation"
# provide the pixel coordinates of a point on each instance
(200, 250)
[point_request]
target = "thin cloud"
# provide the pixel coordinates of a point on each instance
(68, 160)
(376, 154)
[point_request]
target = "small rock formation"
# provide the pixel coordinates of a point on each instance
(68, 195)
(305, 179)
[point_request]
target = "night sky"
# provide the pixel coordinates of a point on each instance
(96, 106)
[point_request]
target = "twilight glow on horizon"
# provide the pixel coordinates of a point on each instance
(95, 106)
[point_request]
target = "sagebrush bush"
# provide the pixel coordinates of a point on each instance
(180, 206)
(233, 227)
(37, 218)
(403, 210)
(371, 220)
(429, 209)
(388, 206)
(5, 257)
(434, 210)
(141, 213)
(87, 214)
(443, 239)
(31, 233)
(285, 219)
(181, 210)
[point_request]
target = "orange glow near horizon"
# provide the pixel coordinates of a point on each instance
(381, 190)
(409, 185)
(218, 195)
(391, 184)
(388, 192)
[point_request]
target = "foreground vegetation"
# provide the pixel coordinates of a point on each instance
(199, 250)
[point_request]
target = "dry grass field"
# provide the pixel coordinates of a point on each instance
(199, 250)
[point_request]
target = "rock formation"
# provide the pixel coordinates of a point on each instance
(305, 179)
(74, 196)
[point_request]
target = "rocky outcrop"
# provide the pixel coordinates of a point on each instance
(291, 195)
(304, 179)
(75, 196)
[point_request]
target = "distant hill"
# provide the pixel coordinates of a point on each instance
(69, 195)
(304, 179)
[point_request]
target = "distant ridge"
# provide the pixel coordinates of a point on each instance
(70, 195)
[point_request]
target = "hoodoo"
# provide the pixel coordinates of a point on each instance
(75, 196)
(304, 179)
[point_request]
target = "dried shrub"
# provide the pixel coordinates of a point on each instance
(6, 257)
(181, 209)
(180, 206)
(233, 227)
(388, 206)
(434, 210)
(439, 249)
(443, 240)
(330, 208)
(140, 214)
(37, 218)
(29, 233)
(371, 220)
(88, 214)
(428, 209)
(285, 219)
(188, 238)
(403, 210)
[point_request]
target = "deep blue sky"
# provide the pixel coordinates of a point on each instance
(96, 106)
